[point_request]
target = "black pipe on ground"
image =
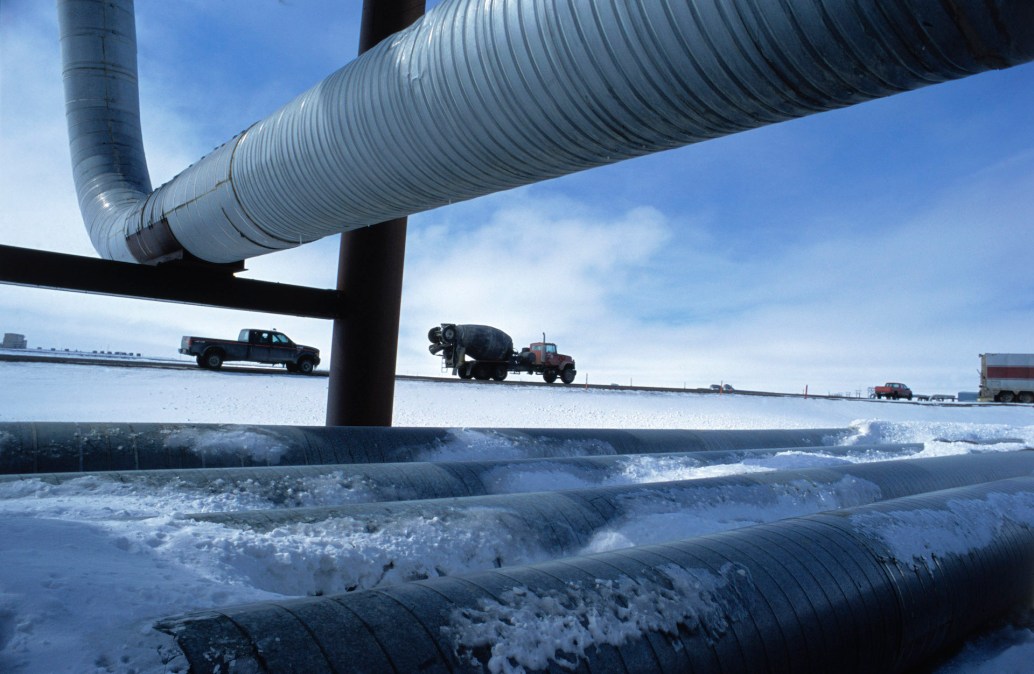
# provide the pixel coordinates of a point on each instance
(372, 482)
(879, 588)
(54, 447)
(562, 522)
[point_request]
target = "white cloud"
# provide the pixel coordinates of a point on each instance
(638, 296)
(533, 266)
(39, 204)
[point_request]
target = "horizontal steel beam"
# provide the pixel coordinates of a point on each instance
(202, 284)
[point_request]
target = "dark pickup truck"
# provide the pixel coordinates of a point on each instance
(260, 346)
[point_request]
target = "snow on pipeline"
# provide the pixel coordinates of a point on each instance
(88, 564)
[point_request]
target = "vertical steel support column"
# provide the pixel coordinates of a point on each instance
(364, 345)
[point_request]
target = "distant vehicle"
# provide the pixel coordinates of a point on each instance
(258, 346)
(493, 356)
(724, 388)
(1007, 377)
(716, 387)
(893, 391)
(936, 397)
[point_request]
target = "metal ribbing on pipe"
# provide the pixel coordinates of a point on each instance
(879, 588)
(102, 107)
(478, 97)
(44, 447)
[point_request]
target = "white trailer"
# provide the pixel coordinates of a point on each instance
(1007, 377)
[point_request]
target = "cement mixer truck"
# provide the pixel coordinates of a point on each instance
(483, 352)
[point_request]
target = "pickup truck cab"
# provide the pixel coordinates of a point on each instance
(259, 346)
(893, 391)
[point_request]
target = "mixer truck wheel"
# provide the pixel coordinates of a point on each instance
(464, 371)
(549, 375)
(481, 372)
(500, 373)
(568, 375)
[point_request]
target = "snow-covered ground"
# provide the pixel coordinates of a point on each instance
(88, 565)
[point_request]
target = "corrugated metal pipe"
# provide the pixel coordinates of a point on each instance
(878, 588)
(480, 96)
(102, 107)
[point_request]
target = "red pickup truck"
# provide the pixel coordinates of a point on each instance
(893, 391)
(260, 346)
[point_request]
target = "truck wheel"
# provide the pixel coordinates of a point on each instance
(213, 360)
(1005, 397)
(500, 373)
(481, 372)
(1026, 397)
(305, 366)
(464, 371)
(567, 375)
(549, 375)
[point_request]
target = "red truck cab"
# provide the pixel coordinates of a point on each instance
(893, 391)
(551, 362)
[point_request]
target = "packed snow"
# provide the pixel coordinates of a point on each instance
(528, 629)
(88, 564)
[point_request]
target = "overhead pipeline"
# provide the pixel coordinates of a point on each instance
(479, 97)
(51, 447)
(879, 588)
(102, 108)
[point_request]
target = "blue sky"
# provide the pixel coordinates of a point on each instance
(887, 241)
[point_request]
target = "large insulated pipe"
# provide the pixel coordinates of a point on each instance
(879, 588)
(374, 482)
(102, 107)
(52, 447)
(478, 97)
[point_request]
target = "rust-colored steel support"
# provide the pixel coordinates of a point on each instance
(364, 346)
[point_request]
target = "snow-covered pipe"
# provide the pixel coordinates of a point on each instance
(50, 447)
(480, 96)
(879, 588)
(374, 482)
(562, 522)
